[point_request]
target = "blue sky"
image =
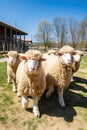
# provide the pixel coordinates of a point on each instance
(27, 14)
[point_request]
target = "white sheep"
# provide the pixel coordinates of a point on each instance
(58, 71)
(12, 64)
(30, 79)
(76, 63)
(52, 51)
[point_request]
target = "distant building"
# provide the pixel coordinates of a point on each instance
(11, 38)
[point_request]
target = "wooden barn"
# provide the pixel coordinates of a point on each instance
(11, 38)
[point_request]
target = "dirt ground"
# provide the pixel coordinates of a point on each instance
(53, 117)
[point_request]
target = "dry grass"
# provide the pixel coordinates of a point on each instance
(53, 117)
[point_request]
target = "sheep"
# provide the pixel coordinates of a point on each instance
(76, 63)
(12, 64)
(58, 71)
(30, 79)
(50, 52)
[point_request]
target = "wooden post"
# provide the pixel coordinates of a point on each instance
(15, 42)
(10, 39)
(4, 44)
(24, 44)
(19, 43)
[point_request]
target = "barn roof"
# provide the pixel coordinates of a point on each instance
(13, 28)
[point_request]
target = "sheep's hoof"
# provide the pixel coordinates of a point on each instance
(18, 94)
(8, 82)
(14, 91)
(36, 112)
(25, 106)
(72, 80)
(62, 104)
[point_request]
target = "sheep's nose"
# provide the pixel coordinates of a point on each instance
(69, 61)
(32, 68)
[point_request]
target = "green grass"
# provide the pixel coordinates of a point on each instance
(83, 66)
(1, 55)
(3, 119)
(84, 62)
(32, 123)
(6, 97)
(80, 129)
(3, 74)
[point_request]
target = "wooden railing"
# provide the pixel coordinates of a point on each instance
(8, 39)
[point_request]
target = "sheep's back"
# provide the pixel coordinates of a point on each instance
(49, 63)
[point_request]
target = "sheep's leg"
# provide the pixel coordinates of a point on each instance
(49, 92)
(9, 80)
(19, 93)
(72, 78)
(61, 100)
(24, 102)
(14, 86)
(35, 107)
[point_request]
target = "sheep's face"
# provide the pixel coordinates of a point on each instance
(11, 60)
(33, 65)
(77, 57)
(67, 58)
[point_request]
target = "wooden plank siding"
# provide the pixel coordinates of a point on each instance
(11, 38)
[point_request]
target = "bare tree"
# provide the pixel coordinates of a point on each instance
(83, 32)
(63, 31)
(44, 32)
(57, 28)
(59, 24)
(74, 31)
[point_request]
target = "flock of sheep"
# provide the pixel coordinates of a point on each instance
(33, 72)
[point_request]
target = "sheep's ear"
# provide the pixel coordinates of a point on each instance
(42, 59)
(82, 54)
(6, 55)
(23, 57)
(59, 54)
(74, 53)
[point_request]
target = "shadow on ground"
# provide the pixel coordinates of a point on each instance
(80, 80)
(52, 108)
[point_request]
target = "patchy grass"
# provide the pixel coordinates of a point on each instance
(33, 123)
(3, 119)
(72, 117)
(3, 74)
(84, 62)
